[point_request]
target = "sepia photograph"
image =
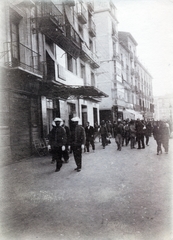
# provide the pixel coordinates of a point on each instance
(86, 119)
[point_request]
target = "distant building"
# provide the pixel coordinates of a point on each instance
(121, 75)
(163, 108)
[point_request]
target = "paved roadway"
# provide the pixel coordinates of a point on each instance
(123, 195)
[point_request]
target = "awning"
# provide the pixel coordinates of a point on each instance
(65, 91)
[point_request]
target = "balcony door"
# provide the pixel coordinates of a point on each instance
(15, 43)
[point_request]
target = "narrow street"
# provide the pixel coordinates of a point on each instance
(123, 195)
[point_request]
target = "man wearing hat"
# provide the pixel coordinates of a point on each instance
(119, 131)
(58, 143)
(51, 137)
(77, 142)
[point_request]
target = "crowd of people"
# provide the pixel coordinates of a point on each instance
(77, 139)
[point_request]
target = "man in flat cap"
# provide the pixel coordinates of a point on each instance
(77, 142)
(58, 143)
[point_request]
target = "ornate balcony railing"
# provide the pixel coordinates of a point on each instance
(92, 28)
(81, 13)
(88, 55)
(21, 56)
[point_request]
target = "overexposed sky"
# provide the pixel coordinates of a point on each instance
(150, 22)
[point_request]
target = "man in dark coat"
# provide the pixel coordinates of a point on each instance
(89, 130)
(103, 133)
(165, 135)
(140, 134)
(58, 141)
(77, 142)
(51, 137)
(157, 134)
(65, 153)
(119, 132)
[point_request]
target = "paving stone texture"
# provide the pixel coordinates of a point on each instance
(123, 195)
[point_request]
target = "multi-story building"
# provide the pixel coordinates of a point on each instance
(163, 108)
(136, 79)
(48, 65)
(121, 75)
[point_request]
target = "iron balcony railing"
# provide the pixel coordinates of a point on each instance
(82, 13)
(19, 55)
(92, 28)
(49, 9)
(73, 35)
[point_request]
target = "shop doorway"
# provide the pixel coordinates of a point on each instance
(84, 115)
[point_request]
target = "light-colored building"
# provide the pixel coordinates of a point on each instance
(121, 75)
(48, 65)
(163, 108)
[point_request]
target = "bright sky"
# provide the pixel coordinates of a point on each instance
(150, 22)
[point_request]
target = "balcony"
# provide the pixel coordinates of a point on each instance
(90, 6)
(92, 28)
(136, 74)
(131, 55)
(51, 24)
(132, 71)
(70, 3)
(82, 13)
(88, 56)
(18, 56)
(136, 89)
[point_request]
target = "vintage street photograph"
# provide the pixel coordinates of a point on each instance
(86, 120)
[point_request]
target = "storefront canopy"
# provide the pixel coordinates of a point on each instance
(66, 91)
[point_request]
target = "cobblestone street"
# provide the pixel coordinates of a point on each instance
(123, 195)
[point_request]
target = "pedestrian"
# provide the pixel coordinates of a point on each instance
(165, 135)
(126, 133)
(157, 134)
(96, 131)
(147, 132)
(103, 133)
(65, 153)
(109, 128)
(119, 132)
(59, 141)
(89, 131)
(77, 142)
(132, 134)
(51, 138)
(140, 134)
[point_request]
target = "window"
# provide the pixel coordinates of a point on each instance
(92, 79)
(83, 72)
(69, 62)
(91, 45)
(80, 30)
(14, 39)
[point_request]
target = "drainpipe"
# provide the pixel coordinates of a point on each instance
(78, 106)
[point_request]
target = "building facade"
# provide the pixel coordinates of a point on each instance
(48, 65)
(163, 106)
(121, 75)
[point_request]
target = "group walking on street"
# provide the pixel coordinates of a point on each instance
(78, 139)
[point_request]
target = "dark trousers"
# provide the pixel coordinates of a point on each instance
(90, 140)
(77, 152)
(58, 157)
(147, 139)
(103, 136)
(65, 154)
(132, 142)
(159, 148)
(140, 140)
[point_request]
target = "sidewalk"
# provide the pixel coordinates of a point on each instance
(123, 195)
